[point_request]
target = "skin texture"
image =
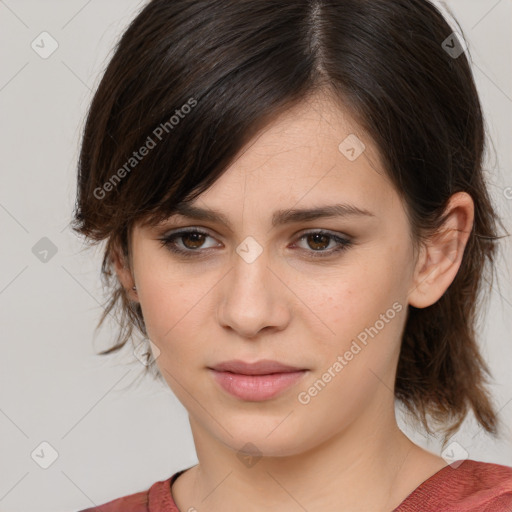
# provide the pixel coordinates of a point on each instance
(343, 449)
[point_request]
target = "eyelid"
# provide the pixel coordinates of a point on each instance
(298, 234)
(189, 229)
(342, 241)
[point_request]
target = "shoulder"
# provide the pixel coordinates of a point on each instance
(487, 479)
(137, 502)
(150, 500)
(468, 486)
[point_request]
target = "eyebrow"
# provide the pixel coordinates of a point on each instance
(280, 217)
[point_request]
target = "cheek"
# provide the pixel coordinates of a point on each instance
(167, 298)
(366, 314)
(173, 313)
(173, 318)
(365, 304)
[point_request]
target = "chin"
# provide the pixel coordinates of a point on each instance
(262, 439)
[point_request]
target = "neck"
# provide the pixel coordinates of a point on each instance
(359, 469)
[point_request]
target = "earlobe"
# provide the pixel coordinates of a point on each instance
(441, 257)
(124, 273)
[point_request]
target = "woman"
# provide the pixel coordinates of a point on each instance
(296, 217)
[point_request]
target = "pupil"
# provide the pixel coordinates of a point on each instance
(197, 239)
(316, 237)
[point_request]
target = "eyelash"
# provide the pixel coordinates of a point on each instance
(169, 242)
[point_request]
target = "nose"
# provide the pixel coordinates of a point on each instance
(253, 297)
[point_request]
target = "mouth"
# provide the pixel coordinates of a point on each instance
(258, 381)
(262, 367)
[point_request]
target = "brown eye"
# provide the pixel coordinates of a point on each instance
(186, 243)
(317, 244)
(319, 241)
(196, 239)
(192, 243)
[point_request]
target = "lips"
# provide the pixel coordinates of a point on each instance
(256, 382)
(262, 367)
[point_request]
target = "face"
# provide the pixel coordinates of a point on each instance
(327, 295)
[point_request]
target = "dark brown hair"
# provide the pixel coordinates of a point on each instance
(192, 81)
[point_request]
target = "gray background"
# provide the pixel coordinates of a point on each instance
(112, 438)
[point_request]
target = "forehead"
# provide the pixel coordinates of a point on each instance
(314, 152)
(319, 121)
(313, 157)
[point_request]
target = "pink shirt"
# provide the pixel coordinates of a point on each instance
(471, 487)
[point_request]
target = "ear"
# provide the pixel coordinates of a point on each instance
(124, 273)
(440, 258)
